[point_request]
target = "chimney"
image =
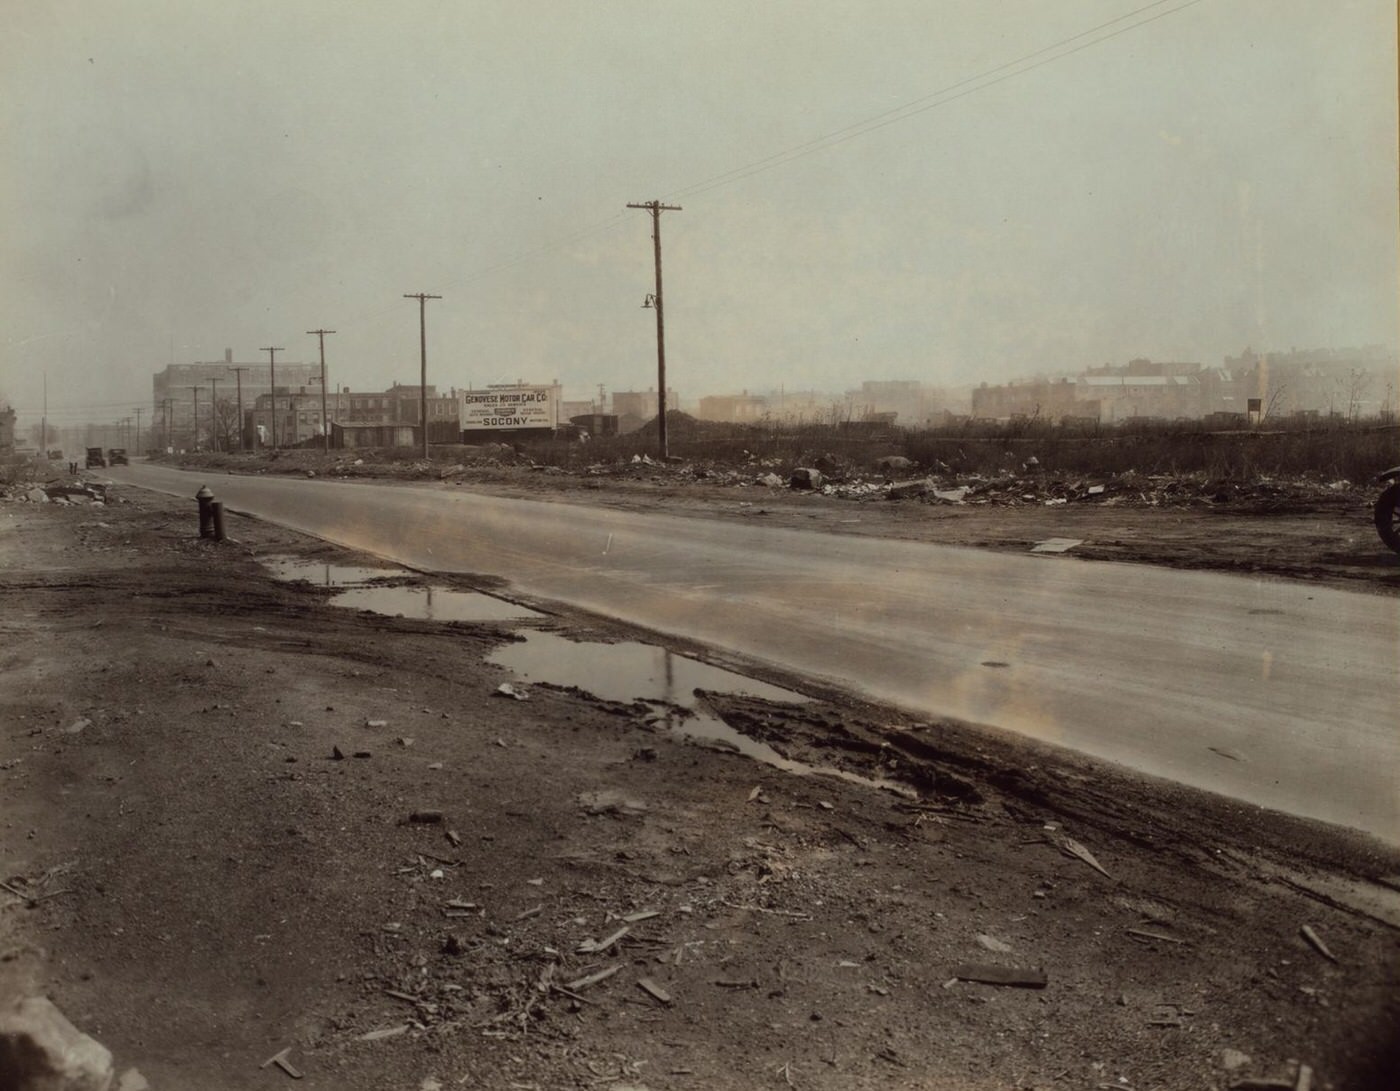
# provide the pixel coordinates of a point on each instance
(228, 356)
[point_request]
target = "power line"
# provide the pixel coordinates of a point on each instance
(1028, 62)
(942, 97)
(921, 105)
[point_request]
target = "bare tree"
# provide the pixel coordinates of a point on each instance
(226, 424)
(1358, 385)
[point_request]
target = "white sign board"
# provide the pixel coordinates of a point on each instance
(509, 407)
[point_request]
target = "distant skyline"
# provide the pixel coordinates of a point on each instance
(947, 192)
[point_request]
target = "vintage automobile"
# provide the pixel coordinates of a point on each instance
(94, 457)
(116, 456)
(1388, 508)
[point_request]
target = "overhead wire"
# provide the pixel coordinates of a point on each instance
(990, 77)
(1028, 62)
(926, 102)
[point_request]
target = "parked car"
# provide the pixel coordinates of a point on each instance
(116, 456)
(94, 457)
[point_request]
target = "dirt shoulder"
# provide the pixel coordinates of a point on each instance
(198, 881)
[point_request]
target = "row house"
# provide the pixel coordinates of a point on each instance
(298, 416)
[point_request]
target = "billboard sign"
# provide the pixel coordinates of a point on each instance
(507, 407)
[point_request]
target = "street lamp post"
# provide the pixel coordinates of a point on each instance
(654, 302)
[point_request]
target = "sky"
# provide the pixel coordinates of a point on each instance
(976, 191)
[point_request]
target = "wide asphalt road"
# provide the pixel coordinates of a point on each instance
(1280, 694)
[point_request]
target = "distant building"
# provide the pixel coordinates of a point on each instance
(910, 401)
(7, 429)
(742, 408)
(1041, 399)
(633, 408)
(298, 416)
(173, 397)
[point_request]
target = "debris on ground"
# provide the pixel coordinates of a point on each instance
(1056, 545)
(1315, 941)
(41, 1049)
(281, 1060)
(1070, 847)
(987, 974)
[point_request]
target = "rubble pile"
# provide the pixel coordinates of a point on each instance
(889, 477)
(74, 492)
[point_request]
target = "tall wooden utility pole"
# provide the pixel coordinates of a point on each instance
(325, 421)
(422, 298)
(214, 413)
(137, 447)
(196, 416)
(272, 363)
(656, 208)
(238, 378)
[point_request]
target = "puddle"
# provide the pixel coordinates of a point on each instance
(378, 589)
(667, 682)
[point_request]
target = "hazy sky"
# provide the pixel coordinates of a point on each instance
(182, 176)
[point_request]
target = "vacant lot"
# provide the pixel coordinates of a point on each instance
(199, 880)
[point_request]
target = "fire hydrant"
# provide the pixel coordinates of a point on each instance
(206, 511)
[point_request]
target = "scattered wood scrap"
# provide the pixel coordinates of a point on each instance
(1316, 941)
(987, 974)
(1070, 847)
(655, 991)
(592, 979)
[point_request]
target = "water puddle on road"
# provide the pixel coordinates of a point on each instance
(384, 591)
(666, 682)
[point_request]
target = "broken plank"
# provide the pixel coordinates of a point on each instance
(383, 1032)
(1001, 975)
(1143, 933)
(593, 978)
(1073, 848)
(590, 947)
(1316, 941)
(653, 990)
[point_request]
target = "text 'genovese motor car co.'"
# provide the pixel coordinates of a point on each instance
(509, 407)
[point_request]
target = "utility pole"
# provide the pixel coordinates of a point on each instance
(214, 413)
(272, 363)
(422, 298)
(137, 447)
(196, 415)
(656, 208)
(238, 378)
(325, 421)
(44, 423)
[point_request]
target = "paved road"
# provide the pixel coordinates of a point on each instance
(1148, 667)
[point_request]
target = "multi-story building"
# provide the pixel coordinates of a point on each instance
(1042, 399)
(743, 408)
(298, 416)
(911, 402)
(7, 429)
(179, 388)
(633, 408)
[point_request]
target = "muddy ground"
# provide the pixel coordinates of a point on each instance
(239, 819)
